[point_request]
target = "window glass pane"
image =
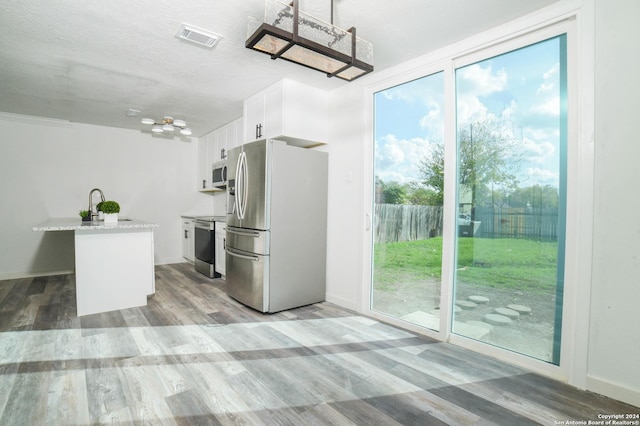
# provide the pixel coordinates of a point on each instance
(511, 135)
(407, 258)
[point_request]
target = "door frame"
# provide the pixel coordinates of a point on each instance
(576, 20)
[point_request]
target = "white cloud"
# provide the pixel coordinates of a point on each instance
(399, 159)
(470, 109)
(550, 107)
(545, 88)
(549, 80)
(475, 82)
(542, 176)
(538, 152)
(434, 120)
(478, 81)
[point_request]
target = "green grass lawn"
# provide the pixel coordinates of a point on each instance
(505, 263)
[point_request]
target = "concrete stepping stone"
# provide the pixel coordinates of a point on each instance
(507, 312)
(465, 304)
(479, 299)
(496, 319)
(521, 309)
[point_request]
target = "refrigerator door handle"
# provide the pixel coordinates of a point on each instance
(237, 201)
(254, 234)
(230, 252)
(245, 184)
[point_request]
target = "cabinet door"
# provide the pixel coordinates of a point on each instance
(304, 112)
(220, 241)
(273, 111)
(254, 117)
(289, 111)
(203, 175)
(212, 143)
(227, 135)
(187, 239)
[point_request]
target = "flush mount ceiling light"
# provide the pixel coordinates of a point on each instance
(168, 124)
(298, 37)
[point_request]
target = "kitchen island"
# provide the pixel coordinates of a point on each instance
(114, 265)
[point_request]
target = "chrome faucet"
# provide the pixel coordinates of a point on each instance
(93, 209)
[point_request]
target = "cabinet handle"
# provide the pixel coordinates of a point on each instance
(186, 233)
(224, 244)
(223, 153)
(256, 131)
(259, 131)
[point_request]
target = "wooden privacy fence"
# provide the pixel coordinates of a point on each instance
(399, 222)
(536, 224)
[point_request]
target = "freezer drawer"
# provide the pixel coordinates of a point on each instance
(248, 240)
(247, 278)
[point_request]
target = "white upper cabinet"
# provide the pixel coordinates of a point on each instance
(289, 111)
(204, 180)
(235, 133)
(213, 147)
(220, 147)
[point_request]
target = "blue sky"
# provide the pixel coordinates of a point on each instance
(519, 90)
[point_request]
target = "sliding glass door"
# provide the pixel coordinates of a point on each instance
(505, 286)
(511, 145)
(408, 194)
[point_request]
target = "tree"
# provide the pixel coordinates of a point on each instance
(536, 196)
(418, 195)
(432, 171)
(390, 192)
(485, 158)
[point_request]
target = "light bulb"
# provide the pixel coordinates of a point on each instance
(179, 123)
(186, 131)
(148, 121)
(168, 128)
(156, 129)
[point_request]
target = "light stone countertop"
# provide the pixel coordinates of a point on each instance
(75, 224)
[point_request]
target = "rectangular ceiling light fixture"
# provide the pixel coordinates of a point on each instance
(298, 37)
(198, 35)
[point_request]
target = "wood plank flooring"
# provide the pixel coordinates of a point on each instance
(193, 356)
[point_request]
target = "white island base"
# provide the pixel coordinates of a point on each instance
(114, 263)
(114, 269)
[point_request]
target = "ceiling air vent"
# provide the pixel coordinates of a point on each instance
(198, 35)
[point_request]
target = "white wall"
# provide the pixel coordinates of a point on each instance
(345, 210)
(48, 167)
(613, 320)
(614, 345)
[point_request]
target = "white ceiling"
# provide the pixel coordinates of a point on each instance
(89, 61)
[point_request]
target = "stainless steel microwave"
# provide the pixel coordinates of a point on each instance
(219, 174)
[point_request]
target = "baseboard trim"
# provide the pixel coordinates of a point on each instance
(18, 275)
(613, 390)
(172, 260)
(345, 303)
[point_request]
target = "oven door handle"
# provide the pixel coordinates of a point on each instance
(203, 225)
(233, 253)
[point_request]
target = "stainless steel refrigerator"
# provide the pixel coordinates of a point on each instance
(276, 225)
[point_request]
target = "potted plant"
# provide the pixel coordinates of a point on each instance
(84, 214)
(110, 210)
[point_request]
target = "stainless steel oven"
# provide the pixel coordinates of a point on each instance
(205, 247)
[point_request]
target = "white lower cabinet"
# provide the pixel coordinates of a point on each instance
(220, 236)
(188, 242)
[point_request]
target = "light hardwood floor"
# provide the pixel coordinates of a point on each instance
(193, 356)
